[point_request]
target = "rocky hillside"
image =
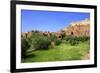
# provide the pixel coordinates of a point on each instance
(80, 28)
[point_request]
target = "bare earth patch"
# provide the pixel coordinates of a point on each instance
(86, 56)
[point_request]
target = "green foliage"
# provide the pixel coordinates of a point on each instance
(74, 40)
(83, 38)
(57, 41)
(62, 52)
(24, 46)
(65, 48)
(40, 42)
(52, 37)
(68, 38)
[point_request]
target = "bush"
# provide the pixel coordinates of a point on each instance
(67, 38)
(57, 41)
(24, 46)
(40, 43)
(52, 38)
(73, 42)
(83, 38)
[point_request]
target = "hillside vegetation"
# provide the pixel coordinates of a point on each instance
(71, 43)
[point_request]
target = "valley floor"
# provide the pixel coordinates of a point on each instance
(62, 52)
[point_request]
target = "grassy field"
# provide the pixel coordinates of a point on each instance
(62, 52)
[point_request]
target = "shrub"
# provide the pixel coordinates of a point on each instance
(40, 43)
(24, 46)
(54, 39)
(67, 38)
(83, 38)
(57, 41)
(73, 42)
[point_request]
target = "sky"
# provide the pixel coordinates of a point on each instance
(51, 21)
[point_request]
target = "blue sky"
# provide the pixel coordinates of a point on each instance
(49, 20)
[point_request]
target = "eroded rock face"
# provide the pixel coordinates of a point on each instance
(81, 28)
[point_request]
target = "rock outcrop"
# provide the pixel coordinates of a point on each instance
(81, 28)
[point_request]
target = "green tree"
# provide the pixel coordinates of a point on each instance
(24, 46)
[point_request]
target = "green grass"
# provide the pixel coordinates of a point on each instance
(62, 52)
